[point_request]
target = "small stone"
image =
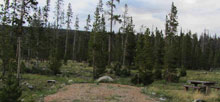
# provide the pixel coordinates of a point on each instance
(30, 87)
(70, 81)
(153, 93)
(163, 99)
(51, 81)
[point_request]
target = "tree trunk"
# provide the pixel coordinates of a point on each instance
(66, 45)
(125, 49)
(93, 58)
(109, 39)
(4, 68)
(18, 57)
(79, 48)
(74, 45)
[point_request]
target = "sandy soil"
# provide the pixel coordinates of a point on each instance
(99, 93)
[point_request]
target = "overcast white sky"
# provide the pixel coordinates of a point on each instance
(195, 15)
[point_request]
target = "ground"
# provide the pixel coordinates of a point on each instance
(99, 93)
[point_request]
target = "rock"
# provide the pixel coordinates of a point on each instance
(205, 72)
(199, 100)
(153, 93)
(163, 99)
(70, 81)
(105, 79)
(30, 87)
(51, 81)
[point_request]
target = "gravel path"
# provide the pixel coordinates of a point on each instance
(98, 93)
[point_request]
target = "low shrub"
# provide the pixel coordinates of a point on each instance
(145, 78)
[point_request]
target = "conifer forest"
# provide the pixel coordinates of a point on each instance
(45, 49)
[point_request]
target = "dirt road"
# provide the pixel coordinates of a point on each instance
(98, 93)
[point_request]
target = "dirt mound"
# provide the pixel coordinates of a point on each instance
(98, 93)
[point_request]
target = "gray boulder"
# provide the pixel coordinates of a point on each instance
(199, 100)
(105, 79)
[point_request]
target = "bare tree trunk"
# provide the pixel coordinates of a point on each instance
(93, 58)
(66, 45)
(74, 44)
(4, 69)
(94, 68)
(20, 31)
(109, 40)
(79, 46)
(18, 57)
(122, 47)
(37, 54)
(125, 50)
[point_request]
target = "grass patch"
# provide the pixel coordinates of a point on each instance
(42, 88)
(174, 92)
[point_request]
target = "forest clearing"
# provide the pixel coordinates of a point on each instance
(109, 51)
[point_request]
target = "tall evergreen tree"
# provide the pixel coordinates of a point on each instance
(170, 58)
(187, 51)
(144, 57)
(75, 37)
(22, 9)
(112, 18)
(125, 23)
(68, 21)
(6, 49)
(97, 46)
(54, 58)
(158, 55)
(46, 10)
(88, 20)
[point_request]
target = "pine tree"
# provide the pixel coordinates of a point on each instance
(22, 9)
(75, 37)
(143, 60)
(68, 21)
(54, 57)
(97, 45)
(6, 48)
(46, 10)
(129, 47)
(48, 36)
(88, 20)
(170, 59)
(11, 91)
(187, 51)
(36, 25)
(125, 23)
(196, 52)
(113, 17)
(159, 55)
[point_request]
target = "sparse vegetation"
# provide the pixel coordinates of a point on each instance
(174, 92)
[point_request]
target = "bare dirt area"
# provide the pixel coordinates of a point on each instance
(99, 93)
